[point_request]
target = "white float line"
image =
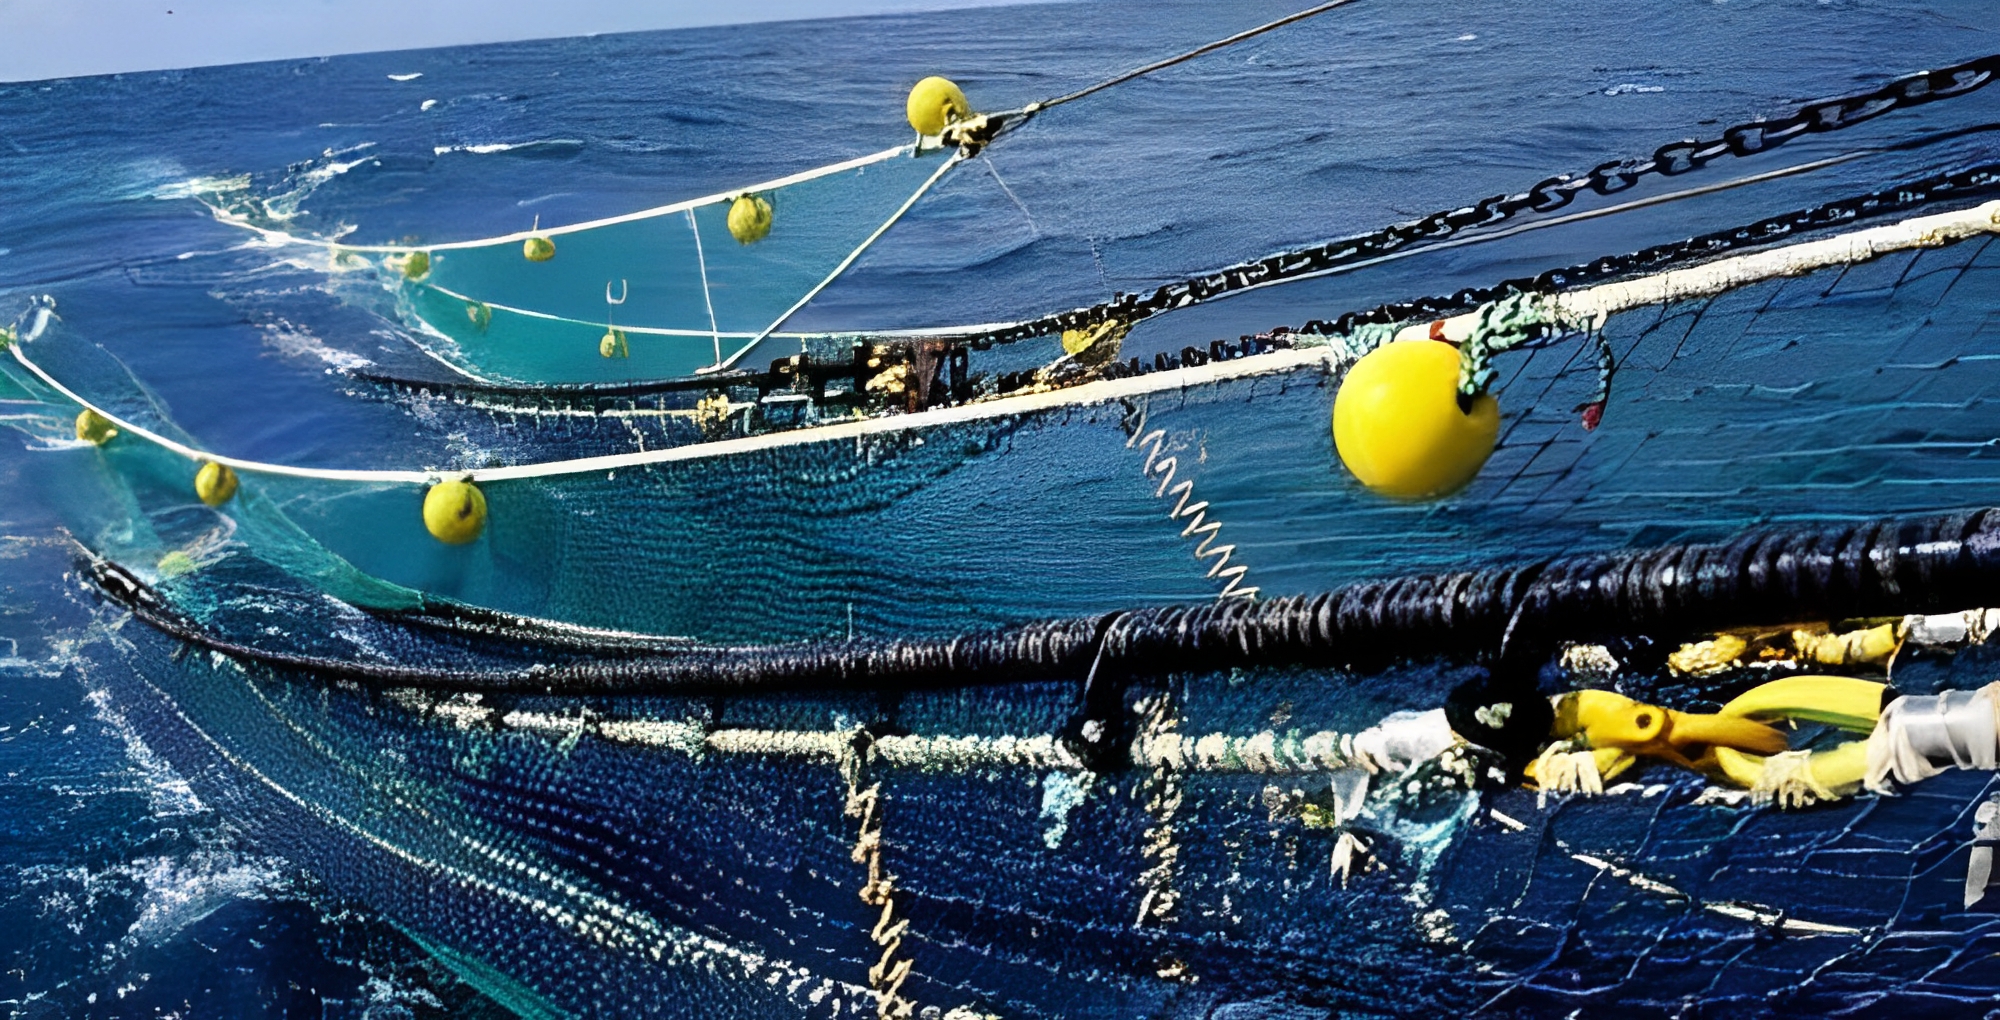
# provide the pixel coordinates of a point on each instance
(518, 236)
(1595, 304)
(1273, 363)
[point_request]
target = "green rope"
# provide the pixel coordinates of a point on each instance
(1519, 319)
(1502, 326)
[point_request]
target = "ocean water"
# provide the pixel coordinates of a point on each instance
(181, 838)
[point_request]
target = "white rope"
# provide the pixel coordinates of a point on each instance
(189, 452)
(744, 334)
(977, 329)
(844, 263)
(701, 263)
(1701, 281)
(1601, 302)
(519, 236)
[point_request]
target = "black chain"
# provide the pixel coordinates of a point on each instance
(1965, 185)
(1552, 193)
(1670, 160)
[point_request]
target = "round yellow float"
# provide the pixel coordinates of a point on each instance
(94, 428)
(455, 511)
(614, 345)
(934, 103)
(417, 265)
(215, 483)
(538, 249)
(749, 218)
(1398, 426)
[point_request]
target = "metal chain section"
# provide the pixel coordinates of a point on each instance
(1962, 186)
(1547, 195)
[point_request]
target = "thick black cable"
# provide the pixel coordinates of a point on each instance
(1771, 575)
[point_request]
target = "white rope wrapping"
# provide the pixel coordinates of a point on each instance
(1919, 737)
(1713, 278)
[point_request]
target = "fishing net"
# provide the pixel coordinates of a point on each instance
(908, 835)
(1827, 394)
(717, 852)
(510, 318)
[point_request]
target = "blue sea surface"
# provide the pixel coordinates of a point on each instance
(134, 882)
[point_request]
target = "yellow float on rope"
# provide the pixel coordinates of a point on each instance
(215, 483)
(749, 218)
(1398, 427)
(480, 314)
(613, 345)
(417, 265)
(94, 428)
(538, 249)
(455, 511)
(934, 103)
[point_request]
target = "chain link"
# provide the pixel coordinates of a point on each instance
(1965, 186)
(1670, 160)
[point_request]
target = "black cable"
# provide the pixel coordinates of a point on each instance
(1773, 575)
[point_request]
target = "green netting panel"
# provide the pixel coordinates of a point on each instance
(1852, 392)
(510, 318)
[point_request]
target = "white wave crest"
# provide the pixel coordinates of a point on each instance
(232, 199)
(295, 341)
(488, 148)
(170, 794)
(182, 890)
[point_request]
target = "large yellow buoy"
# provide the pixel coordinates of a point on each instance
(417, 265)
(934, 103)
(455, 511)
(215, 483)
(95, 428)
(538, 249)
(749, 218)
(1398, 426)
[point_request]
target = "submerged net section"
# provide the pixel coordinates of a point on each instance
(513, 318)
(528, 826)
(1852, 391)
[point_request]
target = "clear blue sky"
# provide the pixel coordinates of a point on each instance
(67, 38)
